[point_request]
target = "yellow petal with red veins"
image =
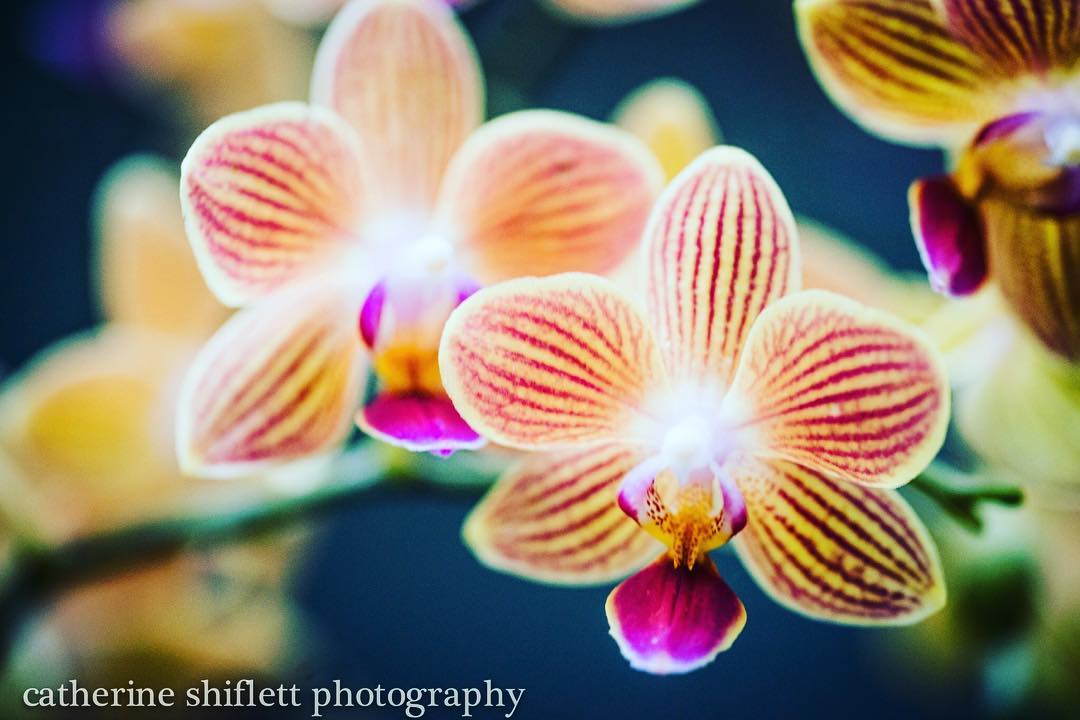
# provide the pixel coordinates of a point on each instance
(405, 75)
(554, 519)
(1035, 259)
(541, 192)
(541, 363)
(1018, 36)
(269, 196)
(672, 118)
(843, 389)
(837, 551)
(148, 275)
(895, 68)
(279, 382)
(720, 247)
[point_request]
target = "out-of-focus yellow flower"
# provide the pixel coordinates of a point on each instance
(223, 55)
(998, 82)
(87, 444)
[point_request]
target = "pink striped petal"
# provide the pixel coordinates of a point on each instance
(842, 389)
(270, 196)
(420, 423)
(833, 550)
(279, 382)
(554, 519)
(541, 363)
(949, 236)
(405, 75)
(541, 192)
(670, 620)
(720, 247)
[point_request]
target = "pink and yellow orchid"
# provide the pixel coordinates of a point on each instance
(999, 82)
(354, 225)
(732, 407)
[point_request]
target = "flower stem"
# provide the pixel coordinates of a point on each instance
(960, 495)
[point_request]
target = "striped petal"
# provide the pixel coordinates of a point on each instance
(270, 196)
(1035, 259)
(842, 389)
(949, 236)
(554, 519)
(670, 620)
(672, 118)
(895, 68)
(418, 422)
(279, 382)
(720, 247)
(405, 75)
(1018, 36)
(541, 192)
(539, 363)
(837, 551)
(148, 276)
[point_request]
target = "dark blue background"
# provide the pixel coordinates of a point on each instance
(393, 594)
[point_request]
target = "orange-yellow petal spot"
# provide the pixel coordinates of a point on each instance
(541, 192)
(720, 247)
(269, 196)
(148, 275)
(537, 363)
(837, 551)
(842, 389)
(279, 382)
(554, 519)
(405, 75)
(672, 119)
(895, 68)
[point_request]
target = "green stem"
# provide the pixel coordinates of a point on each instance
(961, 495)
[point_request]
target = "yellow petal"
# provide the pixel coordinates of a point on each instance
(540, 363)
(554, 518)
(541, 192)
(895, 68)
(720, 247)
(837, 551)
(270, 196)
(279, 382)
(405, 75)
(672, 118)
(842, 389)
(148, 274)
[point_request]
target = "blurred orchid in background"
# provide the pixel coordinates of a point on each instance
(355, 225)
(734, 407)
(86, 446)
(997, 83)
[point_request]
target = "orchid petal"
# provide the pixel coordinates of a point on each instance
(720, 248)
(541, 192)
(417, 422)
(837, 551)
(842, 389)
(895, 68)
(270, 196)
(949, 236)
(148, 276)
(673, 620)
(1018, 36)
(613, 12)
(405, 75)
(279, 382)
(1035, 260)
(672, 119)
(554, 519)
(540, 363)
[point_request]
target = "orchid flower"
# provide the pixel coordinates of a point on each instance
(1000, 82)
(86, 446)
(732, 407)
(353, 226)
